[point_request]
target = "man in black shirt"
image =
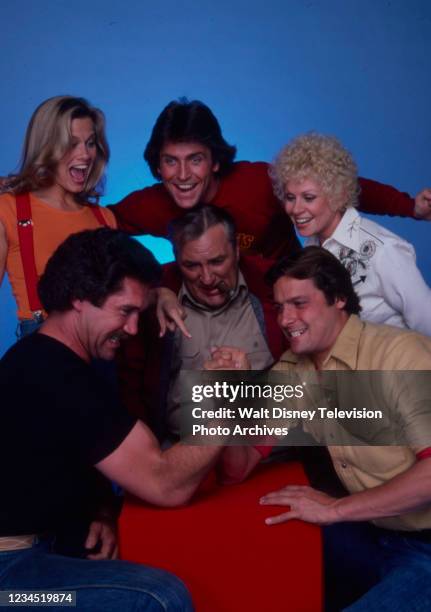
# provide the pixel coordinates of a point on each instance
(64, 432)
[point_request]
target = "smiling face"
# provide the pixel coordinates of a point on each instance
(307, 320)
(101, 329)
(188, 173)
(209, 266)
(310, 208)
(76, 165)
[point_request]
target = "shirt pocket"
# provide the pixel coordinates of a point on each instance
(381, 463)
(258, 353)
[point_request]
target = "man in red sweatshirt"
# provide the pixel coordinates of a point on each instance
(193, 162)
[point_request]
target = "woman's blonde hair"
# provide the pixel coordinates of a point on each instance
(48, 138)
(323, 159)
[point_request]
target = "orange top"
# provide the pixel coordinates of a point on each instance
(51, 226)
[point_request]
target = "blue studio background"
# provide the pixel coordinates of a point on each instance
(359, 69)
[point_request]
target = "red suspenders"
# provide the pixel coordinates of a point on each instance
(25, 237)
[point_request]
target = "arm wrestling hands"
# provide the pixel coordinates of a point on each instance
(227, 358)
(236, 462)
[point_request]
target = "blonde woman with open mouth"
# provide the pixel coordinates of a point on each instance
(316, 179)
(53, 194)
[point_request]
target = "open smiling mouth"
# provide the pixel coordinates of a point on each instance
(185, 187)
(299, 221)
(79, 173)
(211, 290)
(295, 333)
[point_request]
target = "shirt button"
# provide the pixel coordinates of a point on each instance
(344, 465)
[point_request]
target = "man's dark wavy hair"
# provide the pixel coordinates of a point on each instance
(185, 121)
(91, 265)
(324, 269)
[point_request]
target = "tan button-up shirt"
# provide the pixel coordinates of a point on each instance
(367, 346)
(233, 324)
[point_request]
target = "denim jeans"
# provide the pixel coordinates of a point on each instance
(105, 586)
(368, 569)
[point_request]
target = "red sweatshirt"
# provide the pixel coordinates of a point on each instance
(246, 193)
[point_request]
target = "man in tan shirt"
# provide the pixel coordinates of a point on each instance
(383, 546)
(225, 301)
(219, 308)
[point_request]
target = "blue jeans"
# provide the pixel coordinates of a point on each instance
(105, 586)
(368, 569)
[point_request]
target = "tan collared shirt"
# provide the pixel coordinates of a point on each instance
(367, 346)
(233, 324)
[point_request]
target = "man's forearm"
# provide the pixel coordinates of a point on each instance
(183, 467)
(166, 478)
(404, 493)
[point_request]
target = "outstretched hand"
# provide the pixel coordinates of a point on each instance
(306, 504)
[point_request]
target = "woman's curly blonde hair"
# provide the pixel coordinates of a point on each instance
(323, 159)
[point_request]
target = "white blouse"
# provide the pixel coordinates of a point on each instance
(384, 273)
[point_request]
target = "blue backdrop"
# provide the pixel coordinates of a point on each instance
(359, 69)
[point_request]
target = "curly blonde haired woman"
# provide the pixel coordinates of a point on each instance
(316, 179)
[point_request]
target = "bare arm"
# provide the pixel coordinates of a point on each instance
(3, 251)
(404, 493)
(165, 478)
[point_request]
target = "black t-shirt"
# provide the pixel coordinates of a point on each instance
(57, 419)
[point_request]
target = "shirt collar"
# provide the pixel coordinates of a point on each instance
(346, 345)
(346, 233)
(345, 349)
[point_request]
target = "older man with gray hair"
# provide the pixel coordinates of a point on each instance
(226, 302)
